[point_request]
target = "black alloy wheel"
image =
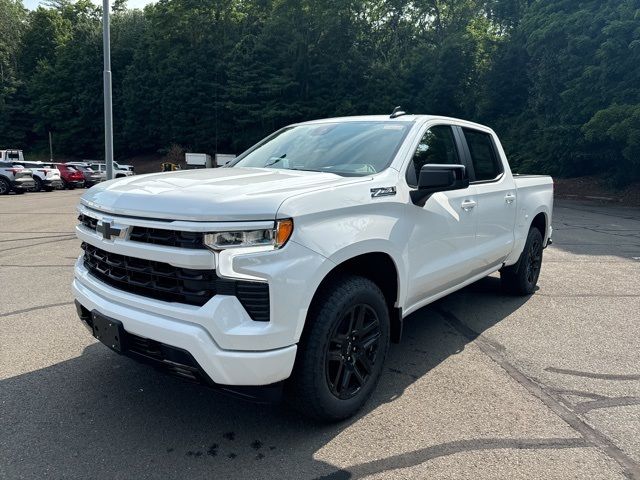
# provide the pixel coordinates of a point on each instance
(522, 278)
(534, 261)
(352, 351)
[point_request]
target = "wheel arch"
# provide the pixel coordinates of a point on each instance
(380, 268)
(541, 222)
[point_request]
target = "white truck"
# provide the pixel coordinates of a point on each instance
(295, 266)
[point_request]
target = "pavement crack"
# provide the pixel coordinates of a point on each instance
(610, 402)
(37, 238)
(578, 393)
(599, 376)
(590, 434)
(417, 457)
(31, 309)
(66, 239)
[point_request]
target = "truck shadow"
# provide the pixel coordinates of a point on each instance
(102, 415)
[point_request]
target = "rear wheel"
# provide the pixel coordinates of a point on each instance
(521, 278)
(5, 186)
(341, 358)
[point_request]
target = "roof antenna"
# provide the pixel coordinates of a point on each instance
(397, 112)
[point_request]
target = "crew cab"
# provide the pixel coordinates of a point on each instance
(295, 265)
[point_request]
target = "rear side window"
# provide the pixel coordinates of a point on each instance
(437, 145)
(483, 155)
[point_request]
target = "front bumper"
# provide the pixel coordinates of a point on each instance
(181, 326)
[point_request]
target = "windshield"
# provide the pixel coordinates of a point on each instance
(345, 148)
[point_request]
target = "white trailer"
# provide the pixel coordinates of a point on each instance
(198, 160)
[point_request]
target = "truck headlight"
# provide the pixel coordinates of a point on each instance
(275, 237)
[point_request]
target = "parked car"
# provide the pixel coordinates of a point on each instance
(117, 172)
(91, 177)
(16, 178)
(71, 178)
(299, 262)
(45, 175)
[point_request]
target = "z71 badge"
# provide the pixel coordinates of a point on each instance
(383, 192)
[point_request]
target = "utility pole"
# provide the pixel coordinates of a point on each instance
(50, 148)
(106, 76)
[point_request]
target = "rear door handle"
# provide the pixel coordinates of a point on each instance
(509, 197)
(468, 205)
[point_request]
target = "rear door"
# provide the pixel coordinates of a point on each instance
(442, 240)
(496, 196)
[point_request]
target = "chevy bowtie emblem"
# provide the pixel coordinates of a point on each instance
(107, 230)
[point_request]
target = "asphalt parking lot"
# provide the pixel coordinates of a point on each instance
(484, 385)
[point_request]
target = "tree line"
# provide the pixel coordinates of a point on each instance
(558, 80)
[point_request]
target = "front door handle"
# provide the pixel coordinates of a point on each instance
(468, 205)
(509, 197)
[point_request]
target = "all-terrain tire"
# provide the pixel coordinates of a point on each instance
(522, 277)
(347, 335)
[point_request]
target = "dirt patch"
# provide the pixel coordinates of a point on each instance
(596, 189)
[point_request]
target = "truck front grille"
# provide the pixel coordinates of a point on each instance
(155, 236)
(88, 222)
(170, 238)
(173, 284)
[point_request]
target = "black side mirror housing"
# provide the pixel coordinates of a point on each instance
(435, 177)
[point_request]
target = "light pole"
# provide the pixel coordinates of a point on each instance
(106, 76)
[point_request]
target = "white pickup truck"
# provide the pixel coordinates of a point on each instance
(296, 265)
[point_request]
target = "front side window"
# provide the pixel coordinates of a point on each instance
(437, 145)
(343, 148)
(483, 155)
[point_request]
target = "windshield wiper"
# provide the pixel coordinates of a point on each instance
(275, 161)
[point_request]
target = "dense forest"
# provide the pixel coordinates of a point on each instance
(558, 80)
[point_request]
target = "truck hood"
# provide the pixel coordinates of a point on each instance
(211, 194)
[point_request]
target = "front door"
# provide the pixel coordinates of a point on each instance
(441, 245)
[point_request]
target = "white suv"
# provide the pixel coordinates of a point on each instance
(45, 175)
(16, 178)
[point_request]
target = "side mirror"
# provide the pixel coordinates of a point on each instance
(439, 178)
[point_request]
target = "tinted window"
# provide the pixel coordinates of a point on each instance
(483, 154)
(436, 146)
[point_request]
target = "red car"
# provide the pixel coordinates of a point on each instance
(71, 178)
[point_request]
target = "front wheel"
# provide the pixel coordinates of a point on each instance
(521, 278)
(340, 359)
